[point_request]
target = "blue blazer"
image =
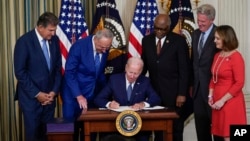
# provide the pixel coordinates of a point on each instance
(116, 90)
(32, 72)
(81, 77)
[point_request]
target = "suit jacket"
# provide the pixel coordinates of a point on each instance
(81, 77)
(32, 72)
(168, 72)
(202, 65)
(116, 90)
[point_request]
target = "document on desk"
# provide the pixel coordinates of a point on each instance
(123, 108)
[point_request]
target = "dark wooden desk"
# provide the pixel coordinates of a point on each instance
(104, 121)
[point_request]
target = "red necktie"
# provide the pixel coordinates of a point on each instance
(158, 47)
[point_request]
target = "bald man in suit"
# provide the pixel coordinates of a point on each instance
(165, 56)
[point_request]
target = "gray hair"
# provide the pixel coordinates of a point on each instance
(135, 61)
(104, 33)
(207, 10)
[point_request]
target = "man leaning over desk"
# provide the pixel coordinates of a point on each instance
(116, 92)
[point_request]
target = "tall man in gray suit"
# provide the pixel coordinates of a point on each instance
(203, 50)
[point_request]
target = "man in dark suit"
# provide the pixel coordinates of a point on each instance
(165, 55)
(38, 79)
(202, 57)
(115, 94)
(84, 73)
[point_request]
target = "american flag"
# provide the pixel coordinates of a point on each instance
(143, 22)
(72, 26)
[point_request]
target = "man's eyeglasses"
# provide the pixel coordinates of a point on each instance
(160, 29)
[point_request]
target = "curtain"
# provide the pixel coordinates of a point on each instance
(16, 18)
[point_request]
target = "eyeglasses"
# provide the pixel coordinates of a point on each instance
(160, 29)
(102, 45)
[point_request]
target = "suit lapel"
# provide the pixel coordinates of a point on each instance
(166, 44)
(103, 59)
(134, 91)
(37, 44)
(122, 83)
(52, 52)
(210, 39)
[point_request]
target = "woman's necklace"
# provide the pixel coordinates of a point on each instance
(215, 72)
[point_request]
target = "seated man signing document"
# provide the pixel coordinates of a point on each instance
(129, 89)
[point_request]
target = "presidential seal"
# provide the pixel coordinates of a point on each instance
(128, 123)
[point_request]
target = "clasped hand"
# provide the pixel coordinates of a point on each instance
(45, 98)
(216, 105)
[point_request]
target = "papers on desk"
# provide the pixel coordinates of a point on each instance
(154, 108)
(123, 108)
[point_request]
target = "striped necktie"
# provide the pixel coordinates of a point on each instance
(129, 91)
(201, 42)
(97, 61)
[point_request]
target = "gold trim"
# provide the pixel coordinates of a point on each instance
(128, 123)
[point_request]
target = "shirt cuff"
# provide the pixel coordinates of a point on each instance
(107, 105)
(37, 95)
(146, 105)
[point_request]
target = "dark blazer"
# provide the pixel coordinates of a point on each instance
(202, 65)
(33, 76)
(168, 72)
(32, 72)
(116, 90)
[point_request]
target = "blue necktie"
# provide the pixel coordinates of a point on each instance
(97, 61)
(46, 53)
(129, 91)
(201, 42)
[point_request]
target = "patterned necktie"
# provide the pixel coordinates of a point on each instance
(129, 91)
(201, 42)
(158, 47)
(97, 61)
(46, 53)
